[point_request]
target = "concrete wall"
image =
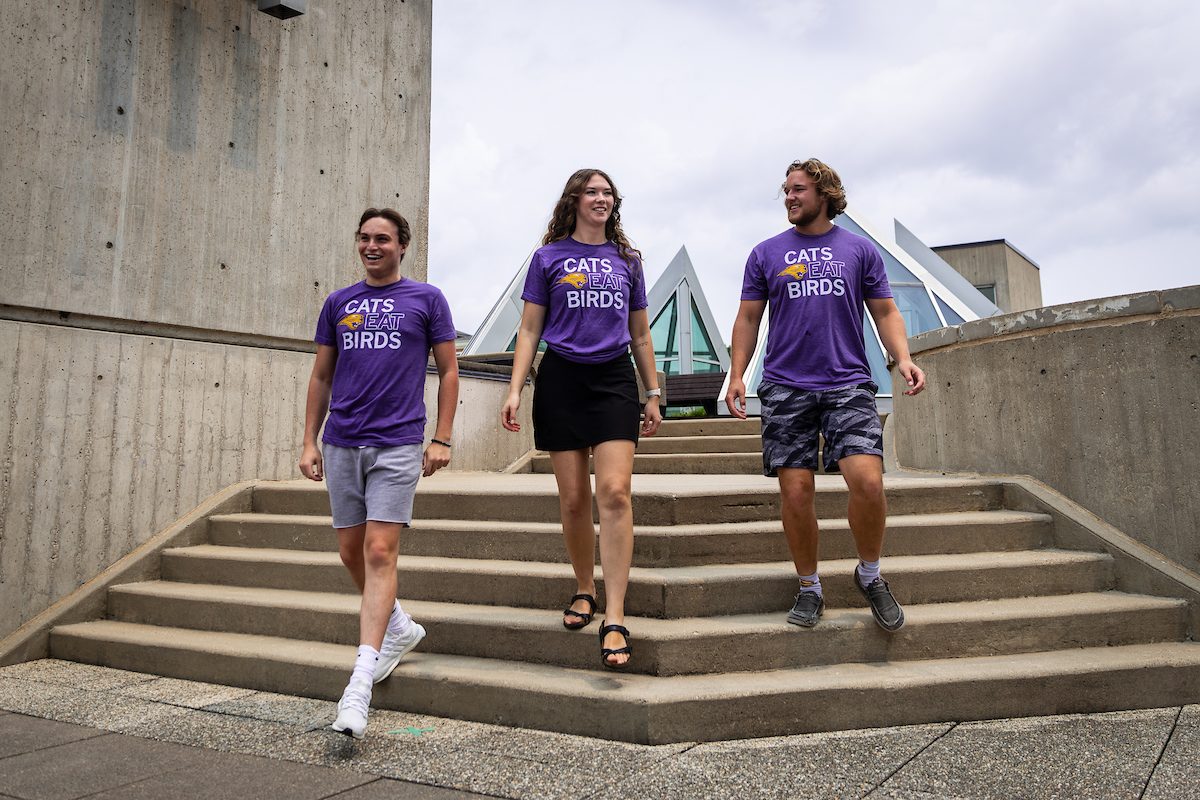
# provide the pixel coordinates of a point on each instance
(201, 163)
(1017, 280)
(179, 186)
(109, 438)
(480, 443)
(1099, 400)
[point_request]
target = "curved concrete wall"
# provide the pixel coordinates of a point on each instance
(1099, 400)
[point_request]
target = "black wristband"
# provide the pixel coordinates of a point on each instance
(439, 441)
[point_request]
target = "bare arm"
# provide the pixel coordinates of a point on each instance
(320, 384)
(890, 324)
(438, 455)
(533, 319)
(745, 338)
(643, 357)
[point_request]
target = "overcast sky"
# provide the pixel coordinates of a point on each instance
(1071, 129)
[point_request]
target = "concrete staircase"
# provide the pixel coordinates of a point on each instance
(1003, 620)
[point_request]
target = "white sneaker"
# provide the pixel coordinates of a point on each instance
(395, 646)
(352, 709)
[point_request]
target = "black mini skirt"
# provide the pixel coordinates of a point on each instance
(581, 405)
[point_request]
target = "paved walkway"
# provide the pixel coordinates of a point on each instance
(70, 730)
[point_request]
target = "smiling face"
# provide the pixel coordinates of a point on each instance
(806, 207)
(380, 250)
(595, 203)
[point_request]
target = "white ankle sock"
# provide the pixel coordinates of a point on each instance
(868, 571)
(810, 583)
(364, 666)
(398, 622)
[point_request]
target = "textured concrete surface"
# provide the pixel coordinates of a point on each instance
(1097, 399)
(69, 730)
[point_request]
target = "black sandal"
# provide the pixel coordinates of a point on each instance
(606, 652)
(584, 619)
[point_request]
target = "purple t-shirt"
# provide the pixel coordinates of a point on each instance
(588, 291)
(383, 335)
(815, 287)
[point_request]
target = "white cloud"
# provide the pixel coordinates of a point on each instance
(1069, 128)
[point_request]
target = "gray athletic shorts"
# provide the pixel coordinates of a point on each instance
(371, 483)
(792, 419)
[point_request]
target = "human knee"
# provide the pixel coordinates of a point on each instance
(379, 555)
(575, 504)
(613, 497)
(866, 489)
(798, 491)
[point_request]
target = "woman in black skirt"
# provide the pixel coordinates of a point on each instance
(585, 296)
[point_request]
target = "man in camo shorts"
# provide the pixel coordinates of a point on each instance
(817, 278)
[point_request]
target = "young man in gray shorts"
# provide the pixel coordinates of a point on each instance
(373, 345)
(817, 278)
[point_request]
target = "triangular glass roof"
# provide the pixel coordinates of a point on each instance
(922, 290)
(687, 340)
(498, 331)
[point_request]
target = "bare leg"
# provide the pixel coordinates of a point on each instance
(369, 552)
(868, 505)
(579, 533)
(797, 488)
(614, 470)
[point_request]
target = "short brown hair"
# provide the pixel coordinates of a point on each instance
(403, 232)
(827, 182)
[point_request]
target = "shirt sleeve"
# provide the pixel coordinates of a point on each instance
(874, 274)
(535, 281)
(637, 286)
(326, 325)
(754, 284)
(441, 325)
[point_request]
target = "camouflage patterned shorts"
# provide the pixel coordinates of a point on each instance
(793, 418)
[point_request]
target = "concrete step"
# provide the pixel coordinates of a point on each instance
(669, 593)
(654, 545)
(676, 647)
(660, 710)
(657, 499)
(736, 463)
(652, 445)
(710, 426)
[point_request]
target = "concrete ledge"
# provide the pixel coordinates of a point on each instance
(89, 602)
(1087, 312)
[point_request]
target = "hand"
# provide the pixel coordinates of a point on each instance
(311, 464)
(653, 417)
(436, 456)
(913, 376)
(508, 414)
(735, 398)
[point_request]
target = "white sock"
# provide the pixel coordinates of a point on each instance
(810, 583)
(868, 571)
(398, 622)
(364, 666)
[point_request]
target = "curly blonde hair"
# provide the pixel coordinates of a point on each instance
(827, 182)
(562, 223)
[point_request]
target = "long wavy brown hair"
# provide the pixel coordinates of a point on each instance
(826, 182)
(562, 224)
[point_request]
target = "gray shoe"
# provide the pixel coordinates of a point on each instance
(884, 607)
(808, 609)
